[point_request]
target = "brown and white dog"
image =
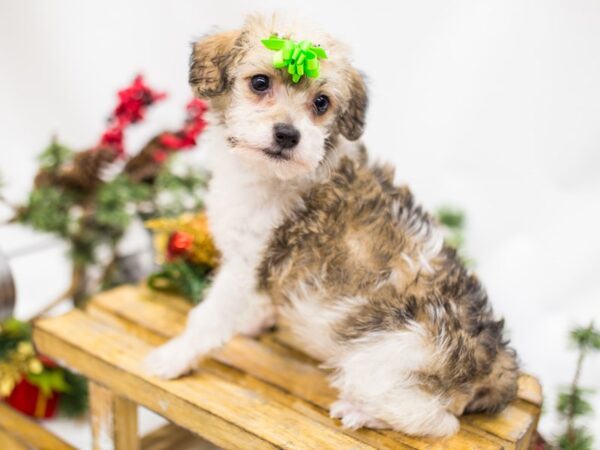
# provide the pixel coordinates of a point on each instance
(315, 238)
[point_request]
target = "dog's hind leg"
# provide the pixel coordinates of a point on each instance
(378, 383)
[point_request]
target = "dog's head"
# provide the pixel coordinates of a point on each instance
(284, 127)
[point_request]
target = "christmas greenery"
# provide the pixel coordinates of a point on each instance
(75, 198)
(73, 401)
(182, 278)
(19, 363)
(54, 156)
(187, 254)
(12, 332)
(179, 190)
(573, 402)
(453, 222)
(89, 199)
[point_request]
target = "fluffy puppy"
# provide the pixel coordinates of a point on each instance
(315, 238)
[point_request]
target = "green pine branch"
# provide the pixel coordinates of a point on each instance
(177, 193)
(453, 222)
(54, 156)
(183, 278)
(573, 402)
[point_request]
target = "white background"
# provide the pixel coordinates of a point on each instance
(491, 106)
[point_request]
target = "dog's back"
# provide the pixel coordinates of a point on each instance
(361, 275)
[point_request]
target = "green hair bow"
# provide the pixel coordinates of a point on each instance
(300, 58)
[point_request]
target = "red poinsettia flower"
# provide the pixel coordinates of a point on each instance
(194, 125)
(160, 155)
(134, 100)
(113, 137)
(133, 103)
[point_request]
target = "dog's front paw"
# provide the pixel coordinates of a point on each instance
(170, 360)
(353, 417)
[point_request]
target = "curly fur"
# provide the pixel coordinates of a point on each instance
(325, 244)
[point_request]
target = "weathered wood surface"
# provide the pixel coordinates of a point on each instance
(114, 420)
(171, 437)
(17, 429)
(10, 442)
(253, 393)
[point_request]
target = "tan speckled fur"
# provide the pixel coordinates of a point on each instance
(358, 235)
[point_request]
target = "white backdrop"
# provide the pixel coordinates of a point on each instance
(491, 106)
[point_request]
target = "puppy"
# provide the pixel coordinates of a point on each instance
(315, 238)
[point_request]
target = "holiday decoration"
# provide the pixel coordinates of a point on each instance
(453, 224)
(194, 124)
(573, 402)
(300, 58)
(147, 164)
(31, 383)
(7, 289)
(186, 235)
(187, 253)
(75, 198)
(133, 102)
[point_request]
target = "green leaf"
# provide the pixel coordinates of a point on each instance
(49, 381)
(178, 193)
(574, 403)
(54, 156)
(587, 338)
(451, 217)
(74, 402)
(12, 331)
(49, 209)
(116, 203)
(582, 440)
(183, 278)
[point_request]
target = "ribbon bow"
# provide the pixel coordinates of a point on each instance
(300, 58)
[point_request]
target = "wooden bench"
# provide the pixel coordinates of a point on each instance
(253, 394)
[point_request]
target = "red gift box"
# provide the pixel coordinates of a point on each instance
(29, 399)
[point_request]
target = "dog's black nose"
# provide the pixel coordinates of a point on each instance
(286, 135)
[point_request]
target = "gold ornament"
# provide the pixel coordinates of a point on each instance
(202, 248)
(20, 361)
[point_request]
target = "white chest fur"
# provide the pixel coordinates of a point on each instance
(244, 207)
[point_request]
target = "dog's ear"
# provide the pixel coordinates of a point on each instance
(351, 120)
(211, 62)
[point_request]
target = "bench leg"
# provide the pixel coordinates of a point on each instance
(114, 420)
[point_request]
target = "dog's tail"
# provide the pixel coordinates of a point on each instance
(499, 387)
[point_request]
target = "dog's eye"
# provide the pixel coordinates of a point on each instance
(260, 83)
(321, 103)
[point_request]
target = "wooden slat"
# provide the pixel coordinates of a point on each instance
(172, 437)
(10, 442)
(30, 431)
(240, 378)
(162, 314)
(269, 361)
(371, 438)
(530, 390)
(164, 317)
(465, 440)
(225, 413)
(114, 420)
(280, 368)
(515, 423)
